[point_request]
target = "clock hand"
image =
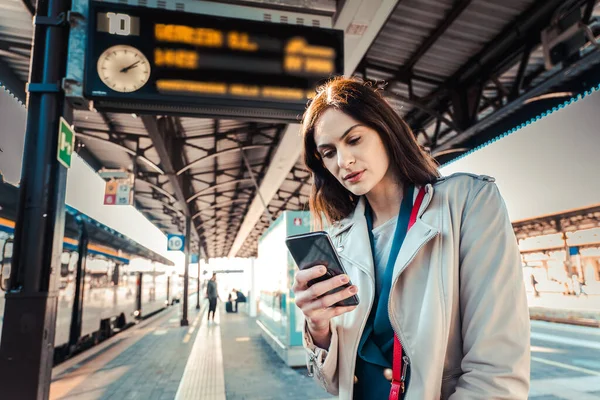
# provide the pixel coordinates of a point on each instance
(130, 67)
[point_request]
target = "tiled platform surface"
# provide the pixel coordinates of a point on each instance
(143, 362)
(230, 360)
(160, 360)
(254, 371)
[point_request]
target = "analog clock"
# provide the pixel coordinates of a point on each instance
(123, 68)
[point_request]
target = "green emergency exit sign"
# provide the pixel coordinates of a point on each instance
(66, 143)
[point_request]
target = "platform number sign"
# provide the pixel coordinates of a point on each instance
(175, 242)
(119, 24)
(66, 143)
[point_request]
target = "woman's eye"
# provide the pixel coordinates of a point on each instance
(354, 140)
(327, 154)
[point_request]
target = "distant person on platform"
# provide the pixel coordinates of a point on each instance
(231, 300)
(241, 298)
(212, 294)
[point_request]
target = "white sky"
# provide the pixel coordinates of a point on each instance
(547, 167)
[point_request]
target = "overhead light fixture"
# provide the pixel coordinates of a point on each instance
(553, 95)
(564, 38)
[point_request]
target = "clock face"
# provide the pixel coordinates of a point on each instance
(123, 68)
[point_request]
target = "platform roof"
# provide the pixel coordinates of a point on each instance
(460, 71)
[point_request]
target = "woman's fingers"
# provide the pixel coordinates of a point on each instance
(320, 288)
(316, 306)
(306, 275)
(330, 299)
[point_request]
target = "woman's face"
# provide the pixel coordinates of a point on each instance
(351, 151)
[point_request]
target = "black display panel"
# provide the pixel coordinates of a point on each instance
(163, 61)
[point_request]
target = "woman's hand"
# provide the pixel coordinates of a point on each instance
(317, 310)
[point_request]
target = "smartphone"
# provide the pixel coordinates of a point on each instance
(316, 248)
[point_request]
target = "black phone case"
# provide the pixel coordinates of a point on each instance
(316, 248)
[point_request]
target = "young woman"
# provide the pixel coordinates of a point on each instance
(442, 296)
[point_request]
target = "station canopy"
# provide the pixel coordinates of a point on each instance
(98, 233)
(461, 72)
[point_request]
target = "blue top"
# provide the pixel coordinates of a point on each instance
(376, 347)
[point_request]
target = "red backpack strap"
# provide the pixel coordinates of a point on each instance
(398, 369)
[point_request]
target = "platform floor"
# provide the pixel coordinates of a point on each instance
(160, 360)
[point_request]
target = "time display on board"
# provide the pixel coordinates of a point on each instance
(158, 56)
(123, 68)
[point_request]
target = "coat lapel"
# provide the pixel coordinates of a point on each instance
(351, 238)
(417, 236)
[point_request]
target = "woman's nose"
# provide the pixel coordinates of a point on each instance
(345, 158)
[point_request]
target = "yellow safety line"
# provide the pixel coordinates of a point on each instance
(188, 336)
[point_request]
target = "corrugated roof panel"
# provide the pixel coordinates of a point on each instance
(203, 143)
(228, 124)
(399, 105)
(111, 157)
(16, 31)
(127, 123)
(481, 22)
(88, 120)
(411, 22)
(197, 126)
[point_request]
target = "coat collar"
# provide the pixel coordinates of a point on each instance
(352, 238)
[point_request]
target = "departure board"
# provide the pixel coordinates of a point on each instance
(161, 60)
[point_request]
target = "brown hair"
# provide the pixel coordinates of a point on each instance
(366, 105)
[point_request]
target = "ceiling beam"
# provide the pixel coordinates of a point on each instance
(87, 156)
(263, 169)
(499, 55)
(217, 185)
(242, 172)
(418, 104)
(285, 157)
(223, 204)
(226, 134)
(85, 136)
(29, 6)
(173, 127)
(160, 145)
(156, 188)
(217, 154)
(575, 69)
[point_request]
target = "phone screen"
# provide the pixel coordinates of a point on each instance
(313, 249)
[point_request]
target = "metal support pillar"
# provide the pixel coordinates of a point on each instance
(198, 282)
(77, 311)
(252, 296)
(138, 296)
(168, 290)
(186, 251)
(27, 347)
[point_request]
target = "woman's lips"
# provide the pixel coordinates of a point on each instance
(354, 177)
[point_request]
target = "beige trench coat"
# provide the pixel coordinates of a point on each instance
(457, 303)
